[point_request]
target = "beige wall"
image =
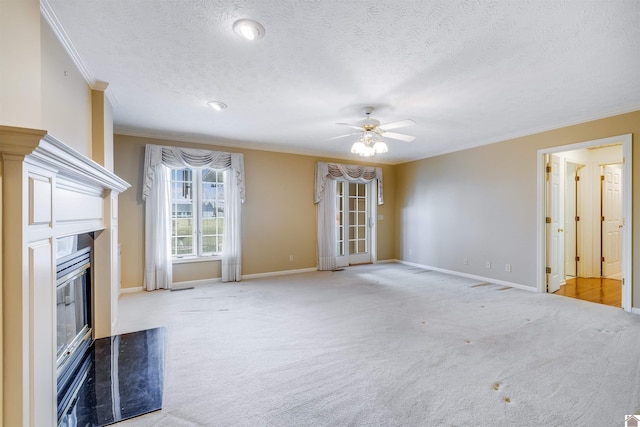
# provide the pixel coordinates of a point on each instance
(278, 217)
(481, 203)
(66, 97)
(20, 85)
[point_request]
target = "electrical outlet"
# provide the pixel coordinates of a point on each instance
(507, 268)
(487, 264)
(410, 252)
(290, 258)
(465, 261)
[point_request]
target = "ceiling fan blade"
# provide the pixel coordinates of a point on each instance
(398, 124)
(343, 136)
(400, 136)
(349, 125)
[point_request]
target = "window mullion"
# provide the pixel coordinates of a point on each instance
(197, 229)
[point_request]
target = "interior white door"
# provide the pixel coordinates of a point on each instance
(555, 223)
(353, 217)
(612, 221)
(570, 219)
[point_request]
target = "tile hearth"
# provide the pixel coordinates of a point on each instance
(124, 379)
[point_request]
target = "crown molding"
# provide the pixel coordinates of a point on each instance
(50, 16)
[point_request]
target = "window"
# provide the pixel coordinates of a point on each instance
(197, 212)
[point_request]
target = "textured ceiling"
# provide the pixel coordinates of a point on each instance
(467, 72)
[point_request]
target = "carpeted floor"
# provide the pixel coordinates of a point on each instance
(387, 345)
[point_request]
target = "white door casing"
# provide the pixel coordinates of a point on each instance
(611, 221)
(627, 229)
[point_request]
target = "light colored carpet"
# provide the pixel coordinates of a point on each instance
(387, 345)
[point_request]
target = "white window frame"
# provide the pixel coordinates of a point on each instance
(197, 235)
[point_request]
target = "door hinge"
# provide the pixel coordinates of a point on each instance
(548, 220)
(548, 168)
(577, 258)
(577, 178)
(548, 270)
(602, 218)
(577, 218)
(601, 177)
(602, 259)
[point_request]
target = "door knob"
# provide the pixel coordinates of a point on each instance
(560, 230)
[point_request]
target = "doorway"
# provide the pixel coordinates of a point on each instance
(584, 196)
(354, 213)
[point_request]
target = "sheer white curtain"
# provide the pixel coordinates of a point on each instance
(325, 199)
(327, 227)
(157, 226)
(232, 240)
(155, 192)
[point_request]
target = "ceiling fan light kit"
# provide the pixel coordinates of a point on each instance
(370, 131)
(367, 145)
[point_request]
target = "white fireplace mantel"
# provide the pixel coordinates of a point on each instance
(48, 190)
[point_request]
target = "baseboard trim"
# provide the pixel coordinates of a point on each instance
(130, 290)
(471, 276)
(635, 310)
(279, 273)
(200, 282)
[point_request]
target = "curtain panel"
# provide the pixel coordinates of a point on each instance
(325, 198)
(156, 195)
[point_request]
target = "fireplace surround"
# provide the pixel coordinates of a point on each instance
(48, 191)
(74, 323)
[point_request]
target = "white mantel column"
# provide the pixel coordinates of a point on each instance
(25, 248)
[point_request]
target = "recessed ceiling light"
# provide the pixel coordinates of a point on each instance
(217, 105)
(248, 29)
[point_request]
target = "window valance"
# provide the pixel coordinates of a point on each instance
(176, 157)
(351, 173)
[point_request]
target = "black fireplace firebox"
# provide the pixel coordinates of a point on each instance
(74, 316)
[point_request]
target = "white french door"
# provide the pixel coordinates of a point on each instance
(354, 223)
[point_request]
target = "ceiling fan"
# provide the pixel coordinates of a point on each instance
(370, 132)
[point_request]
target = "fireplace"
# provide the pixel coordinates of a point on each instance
(74, 324)
(50, 191)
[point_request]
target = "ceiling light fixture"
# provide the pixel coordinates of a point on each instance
(367, 145)
(248, 29)
(217, 105)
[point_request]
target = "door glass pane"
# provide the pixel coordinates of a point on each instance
(362, 218)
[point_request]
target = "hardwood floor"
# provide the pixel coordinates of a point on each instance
(594, 289)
